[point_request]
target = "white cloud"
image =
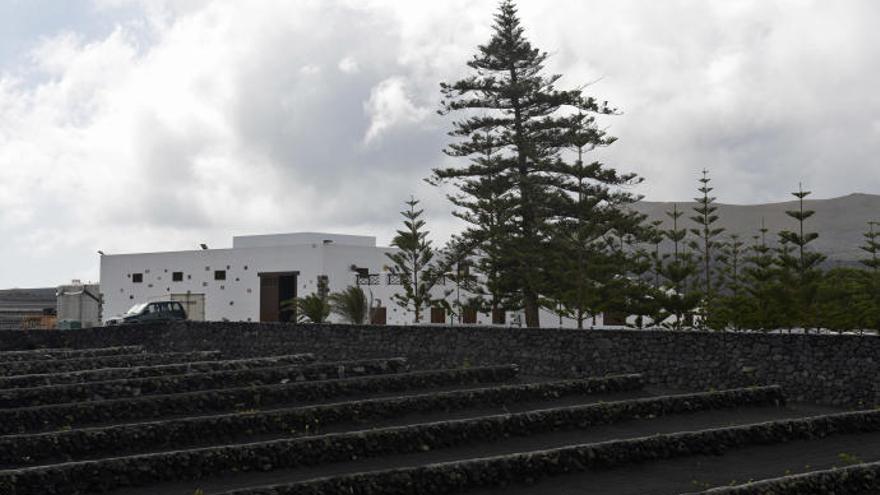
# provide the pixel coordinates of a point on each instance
(198, 119)
(390, 106)
(348, 65)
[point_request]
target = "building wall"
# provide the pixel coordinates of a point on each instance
(238, 297)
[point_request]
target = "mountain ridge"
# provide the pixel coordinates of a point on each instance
(840, 221)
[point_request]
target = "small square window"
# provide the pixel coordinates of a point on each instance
(219, 274)
(177, 277)
(137, 278)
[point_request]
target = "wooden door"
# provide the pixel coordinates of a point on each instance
(438, 315)
(269, 307)
(469, 316)
(498, 316)
(378, 315)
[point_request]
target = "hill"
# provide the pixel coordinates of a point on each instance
(840, 222)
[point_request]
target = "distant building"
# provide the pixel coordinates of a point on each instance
(27, 308)
(252, 280)
(79, 305)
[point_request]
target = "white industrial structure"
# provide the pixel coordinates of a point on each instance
(79, 305)
(251, 280)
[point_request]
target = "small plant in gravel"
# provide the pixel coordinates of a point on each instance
(849, 459)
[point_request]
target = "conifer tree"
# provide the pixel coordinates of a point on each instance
(872, 247)
(802, 261)
(733, 307)
(512, 107)
(871, 285)
(412, 262)
(678, 269)
(706, 244)
(760, 276)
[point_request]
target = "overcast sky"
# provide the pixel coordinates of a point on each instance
(133, 126)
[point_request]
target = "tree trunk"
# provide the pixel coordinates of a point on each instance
(530, 303)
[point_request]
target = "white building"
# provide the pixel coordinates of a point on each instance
(249, 281)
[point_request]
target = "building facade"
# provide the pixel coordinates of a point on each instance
(251, 280)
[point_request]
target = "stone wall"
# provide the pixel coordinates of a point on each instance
(825, 369)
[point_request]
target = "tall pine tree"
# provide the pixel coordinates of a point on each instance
(512, 108)
(706, 245)
(802, 261)
(678, 268)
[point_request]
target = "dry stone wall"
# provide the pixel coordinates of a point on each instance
(824, 369)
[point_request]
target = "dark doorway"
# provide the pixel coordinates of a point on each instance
(277, 290)
(378, 315)
(438, 315)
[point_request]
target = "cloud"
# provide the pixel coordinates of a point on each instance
(390, 106)
(190, 121)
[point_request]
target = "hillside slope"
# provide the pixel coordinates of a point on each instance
(840, 222)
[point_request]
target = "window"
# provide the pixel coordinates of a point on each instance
(177, 277)
(219, 274)
(137, 278)
(394, 279)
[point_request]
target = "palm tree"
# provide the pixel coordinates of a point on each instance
(311, 308)
(350, 305)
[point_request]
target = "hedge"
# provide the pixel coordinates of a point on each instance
(18, 450)
(78, 364)
(49, 354)
(852, 480)
(102, 374)
(111, 473)
(503, 470)
(136, 387)
(60, 416)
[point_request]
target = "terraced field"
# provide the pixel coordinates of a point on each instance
(125, 421)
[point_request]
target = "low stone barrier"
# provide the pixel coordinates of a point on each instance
(20, 450)
(173, 384)
(264, 456)
(861, 479)
(47, 354)
(60, 416)
(499, 471)
(826, 369)
(103, 374)
(90, 363)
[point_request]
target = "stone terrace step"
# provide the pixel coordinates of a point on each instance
(58, 416)
(64, 353)
(172, 384)
(859, 479)
(305, 451)
(102, 374)
(91, 363)
(529, 467)
(19, 450)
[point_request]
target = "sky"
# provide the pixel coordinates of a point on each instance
(153, 125)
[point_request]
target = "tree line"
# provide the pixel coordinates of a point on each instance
(548, 228)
